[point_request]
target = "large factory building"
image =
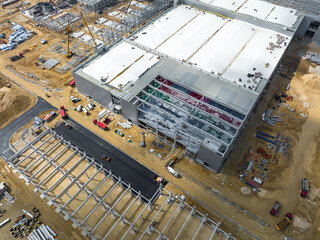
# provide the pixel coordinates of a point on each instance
(193, 75)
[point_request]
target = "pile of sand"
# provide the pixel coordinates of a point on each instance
(13, 101)
(312, 80)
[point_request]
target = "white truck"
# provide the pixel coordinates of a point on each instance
(173, 172)
(79, 108)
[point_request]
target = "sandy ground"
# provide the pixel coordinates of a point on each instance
(26, 199)
(14, 101)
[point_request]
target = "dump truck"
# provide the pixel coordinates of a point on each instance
(275, 208)
(72, 83)
(305, 188)
(284, 222)
(62, 112)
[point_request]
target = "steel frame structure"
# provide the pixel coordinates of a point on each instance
(83, 164)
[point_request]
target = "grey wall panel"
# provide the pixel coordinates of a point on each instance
(316, 36)
(129, 111)
(302, 29)
(212, 159)
(98, 94)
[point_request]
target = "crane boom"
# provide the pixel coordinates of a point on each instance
(88, 29)
(67, 28)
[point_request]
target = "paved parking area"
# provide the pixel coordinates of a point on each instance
(122, 165)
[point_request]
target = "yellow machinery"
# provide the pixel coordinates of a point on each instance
(88, 29)
(36, 132)
(68, 30)
(31, 47)
(174, 158)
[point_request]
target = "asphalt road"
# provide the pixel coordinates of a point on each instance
(6, 132)
(130, 171)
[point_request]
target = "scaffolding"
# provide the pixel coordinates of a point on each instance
(96, 200)
(129, 22)
(60, 23)
(185, 116)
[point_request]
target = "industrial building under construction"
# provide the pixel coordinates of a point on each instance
(194, 74)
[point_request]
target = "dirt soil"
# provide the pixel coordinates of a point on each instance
(26, 199)
(14, 101)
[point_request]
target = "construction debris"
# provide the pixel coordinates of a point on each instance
(158, 145)
(270, 119)
(313, 57)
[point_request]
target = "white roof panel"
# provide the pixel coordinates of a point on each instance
(214, 44)
(257, 8)
(157, 32)
(232, 5)
(282, 15)
(135, 70)
(114, 62)
(255, 57)
(216, 55)
(190, 38)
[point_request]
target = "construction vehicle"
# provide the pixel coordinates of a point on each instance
(16, 57)
(32, 47)
(173, 172)
(158, 179)
(284, 222)
(72, 83)
(49, 116)
(67, 31)
(142, 143)
(62, 112)
(275, 208)
(74, 99)
(105, 157)
(36, 132)
(106, 120)
(305, 188)
(117, 131)
(79, 108)
(88, 29)
(44, 41)
(100, 124)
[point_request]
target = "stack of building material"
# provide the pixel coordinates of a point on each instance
(19, 35)
(313, 57)
(42, 233)
(270, 119)
(50, 63)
